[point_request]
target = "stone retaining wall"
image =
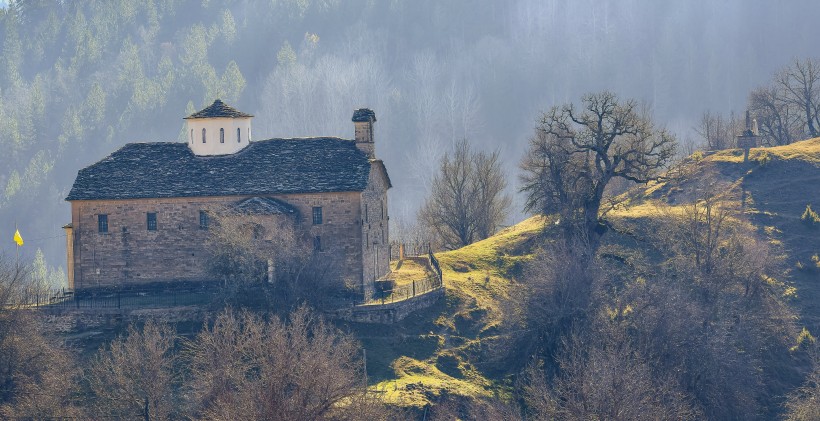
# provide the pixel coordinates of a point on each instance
(390, 312)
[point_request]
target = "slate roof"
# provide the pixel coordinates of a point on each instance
(218, 109)
(273, 166)
(264, 206)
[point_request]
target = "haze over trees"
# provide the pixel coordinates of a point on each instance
(80, 79)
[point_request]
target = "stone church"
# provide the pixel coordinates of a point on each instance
(141, 215)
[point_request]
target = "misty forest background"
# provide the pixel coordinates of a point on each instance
(80, 79)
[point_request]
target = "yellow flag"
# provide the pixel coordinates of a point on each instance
(18, 239)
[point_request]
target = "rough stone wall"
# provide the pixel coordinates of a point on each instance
(375, 235)
(129, 254)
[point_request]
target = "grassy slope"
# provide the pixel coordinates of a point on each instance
(435, 351)
(440, 350)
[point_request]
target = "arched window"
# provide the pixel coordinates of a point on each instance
(221, 135)
(203, 135)
(238, 135)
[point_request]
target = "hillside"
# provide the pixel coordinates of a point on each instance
(448, 349)
(772, 190)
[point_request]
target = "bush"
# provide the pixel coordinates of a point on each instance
(810, 217)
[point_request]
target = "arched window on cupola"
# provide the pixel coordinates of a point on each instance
(221, 135)
(238, 135)
(203, 135)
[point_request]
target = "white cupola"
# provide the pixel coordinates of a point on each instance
(218, 129)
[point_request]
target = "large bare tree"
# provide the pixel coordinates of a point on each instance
(467, 202)
(577, 151)
(788, 109)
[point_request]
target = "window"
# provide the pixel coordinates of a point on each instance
(238, 135)
(203, 135)
(192, 135)
(102, 222)
(151, 221)
(317, 243)
(382, 209)
(317, 215)
(203, 220)
(221, 135)
(366, 219)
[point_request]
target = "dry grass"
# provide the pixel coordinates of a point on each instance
(404, 272)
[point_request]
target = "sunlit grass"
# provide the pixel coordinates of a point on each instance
(404, 272)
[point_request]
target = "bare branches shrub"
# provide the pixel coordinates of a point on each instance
(244, 367)
(136, 369)
(38, 377)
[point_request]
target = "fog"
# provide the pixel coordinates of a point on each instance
(80, 79)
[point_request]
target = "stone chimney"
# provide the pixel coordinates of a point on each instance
(363, 120)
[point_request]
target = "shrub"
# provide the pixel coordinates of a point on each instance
(810, 217)
(804, 338)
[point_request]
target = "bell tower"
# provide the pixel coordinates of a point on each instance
(218, 129)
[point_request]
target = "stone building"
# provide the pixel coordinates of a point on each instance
(141, 215)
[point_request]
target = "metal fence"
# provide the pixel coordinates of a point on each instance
(404, 292)
(410, 249)
(417, 287)
(64, 300)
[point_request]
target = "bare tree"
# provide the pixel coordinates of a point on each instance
(38, 377)
(467, 202)
(788, 109)
(576, 153)
(718, 131)
(244, 367)
(603, 377)
(255, 249)
(136, 371)
(803, 404)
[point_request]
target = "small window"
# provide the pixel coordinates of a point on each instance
(382, 209)
(221, 135)
(317, 243)
(317, 215)
(151, 221)
(192, 135)
(203, 220)
(238, 135)
(102, 222)
(203, 135)
(366, 219)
